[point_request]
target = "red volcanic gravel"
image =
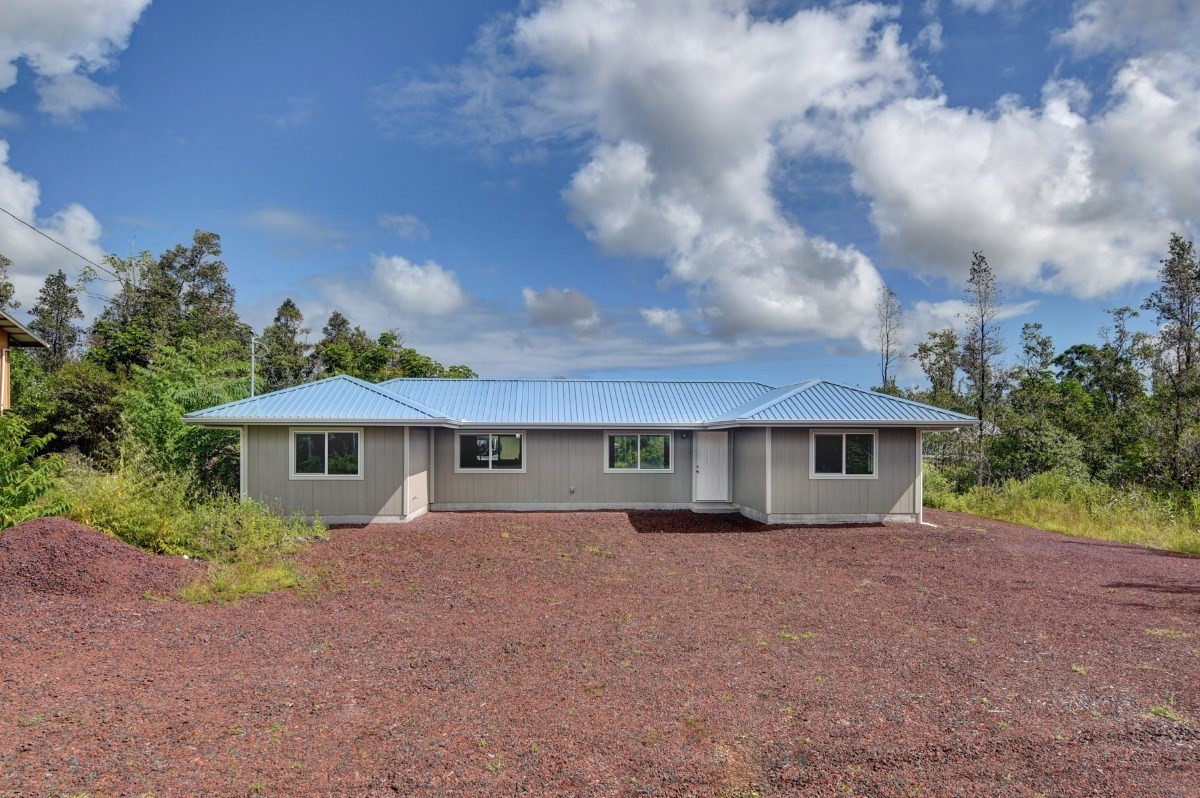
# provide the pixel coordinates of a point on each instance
(601, 654)
(55, 556)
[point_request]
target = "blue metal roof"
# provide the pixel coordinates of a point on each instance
(819, 401)
(340, 398)
(578, 402)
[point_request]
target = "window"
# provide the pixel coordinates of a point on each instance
(491, 451)
(843, 455)
(638, 452)
(326, 454)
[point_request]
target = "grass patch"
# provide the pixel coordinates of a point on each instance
(1080, 507)
(246, 544)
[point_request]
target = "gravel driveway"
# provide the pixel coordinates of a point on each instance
(609, 654)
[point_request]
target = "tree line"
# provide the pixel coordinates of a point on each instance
(1123, 409)
(168, 340)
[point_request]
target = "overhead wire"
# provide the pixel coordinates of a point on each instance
(50, 238)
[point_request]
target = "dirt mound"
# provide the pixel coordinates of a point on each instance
(60, 557)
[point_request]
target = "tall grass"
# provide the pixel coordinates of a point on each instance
(245, 543)
(1078, 506)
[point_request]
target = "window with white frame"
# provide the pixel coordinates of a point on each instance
(845, 454)
(326, 454)
(490, 451)
(637, 451)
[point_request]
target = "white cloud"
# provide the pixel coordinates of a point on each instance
(566, 308)
(1058, 202)
(32, 255)
(62, 41)
(689, 108)
(669, 320)
(1143, 26)
(404, 225)
(413, 289)
(65, 97)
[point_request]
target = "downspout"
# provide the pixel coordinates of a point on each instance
(770, 474)
(243, 465)
(4, 379)
(406, 499)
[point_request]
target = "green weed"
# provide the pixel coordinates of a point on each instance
(1077, 506)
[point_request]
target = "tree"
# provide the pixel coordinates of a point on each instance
(939, 358)
(285, 351)
(1037, 350)
(888, 323)
(183, 294)
(982, 347)
(23, 480)
(54, 320)
(6, 287)
(1174, 357)
(341, 347)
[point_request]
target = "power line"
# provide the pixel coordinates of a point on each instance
(104, 269)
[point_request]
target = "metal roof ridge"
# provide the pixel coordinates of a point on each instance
(404, 400)
(433, 414)
(554, 381)
(900, 399)
(747, 410)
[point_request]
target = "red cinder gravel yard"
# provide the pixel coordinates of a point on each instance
(600, 654)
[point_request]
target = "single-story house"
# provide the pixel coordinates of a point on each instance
(12, 334)
(357, 452)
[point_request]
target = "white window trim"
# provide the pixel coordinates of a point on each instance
(639, 432)
(362, 442)
(458, 469)
(812, 453)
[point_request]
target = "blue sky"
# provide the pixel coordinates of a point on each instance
(684, 188)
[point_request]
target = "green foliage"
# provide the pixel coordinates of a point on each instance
(285, 353)
(6, 287)
(349, 350)
(1075, 505)
(24, 479)
(54, 319)
(194, 376)
(80, 404)
(245, 542)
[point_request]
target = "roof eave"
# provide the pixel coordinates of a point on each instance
(234, 421)
(924, 424)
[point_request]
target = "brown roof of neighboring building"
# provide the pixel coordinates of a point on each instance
(18, 334)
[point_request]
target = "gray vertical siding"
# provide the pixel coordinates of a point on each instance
(793, 492)
(555, 461)
(749, 456)
(379, 493)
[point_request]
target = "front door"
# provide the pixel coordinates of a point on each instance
(710, 483)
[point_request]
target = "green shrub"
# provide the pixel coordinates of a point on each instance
(1075, 505)
(24, 480)
(246, 542)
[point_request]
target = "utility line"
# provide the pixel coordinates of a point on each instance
(104, 269)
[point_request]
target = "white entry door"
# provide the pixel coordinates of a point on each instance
(710, 483)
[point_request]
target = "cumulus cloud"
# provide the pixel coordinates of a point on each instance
(63, 41)
(669, 320)
(1147, 25)
(416, 289)
(566, 308)
(404, 225)
(689, 108)
(32, 255)
(1058, 201)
